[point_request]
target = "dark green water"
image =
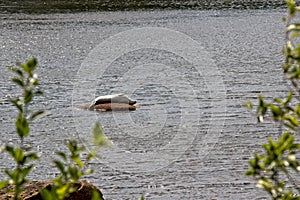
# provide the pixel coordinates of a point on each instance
(49, 6)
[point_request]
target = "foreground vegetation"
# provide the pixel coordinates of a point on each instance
(71, 165)
(277, 169)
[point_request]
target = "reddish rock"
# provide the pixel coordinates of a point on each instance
(110, 107)
(32, 191)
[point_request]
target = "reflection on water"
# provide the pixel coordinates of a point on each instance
(50, 6)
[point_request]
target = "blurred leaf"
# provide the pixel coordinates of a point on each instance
(28, 97)
(32, 64)
(283, 19)
(39, 92)
(291, 7)
(62, 191)
(16, 70)
(293, 120)
(293, 27)
(3, 184)
(60, 166)
(91, 155)
(276, 110)
(249, 105)
(96, 195)
(22, 126)
(78, 162)
(288, 125)
(37, 115)
(18, 82)
(10, 150)
(18, 104)
(74, 173)
(32, 156)
(289, 97)
(46, 195)
(99, 139)
(278, 100)
(88, 172)
(25, 171)
(62, 155)
(19, 155)
(24, 67)
(294, 35)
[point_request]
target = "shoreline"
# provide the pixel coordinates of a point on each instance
(58, 6)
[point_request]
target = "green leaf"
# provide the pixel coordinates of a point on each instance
(32, 64)
(18, 104)
(3, 184)
(294, 35)
(292, 127)
(10, 150)
(19, 155)
(46, 195)
(62, 155)
(98, 137)
(74, 172)
(276, 110)
(262, 106)
(28, 96)
(250, 172)
(25, 171)
(62, 191)
(278, 100)
(261, 100)
(22, 126)
(38, 92)
(10, 175)
(32, 156)
(96, 195)
(91, 155)
(88, 172)
(293, 120)
(72, 145)
(24, 67)
(60, 166)
(291, 7)
(78, 161)
(16, 70)
(249, 105)
(18, 82)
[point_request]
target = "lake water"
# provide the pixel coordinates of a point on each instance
(190, 71)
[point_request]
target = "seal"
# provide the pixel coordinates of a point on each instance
(115, 102)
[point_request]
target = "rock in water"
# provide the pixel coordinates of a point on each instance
(32, 191)
(109, 107)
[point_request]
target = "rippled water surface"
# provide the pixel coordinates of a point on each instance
(191, 137)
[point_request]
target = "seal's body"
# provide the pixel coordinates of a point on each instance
(111, 102)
